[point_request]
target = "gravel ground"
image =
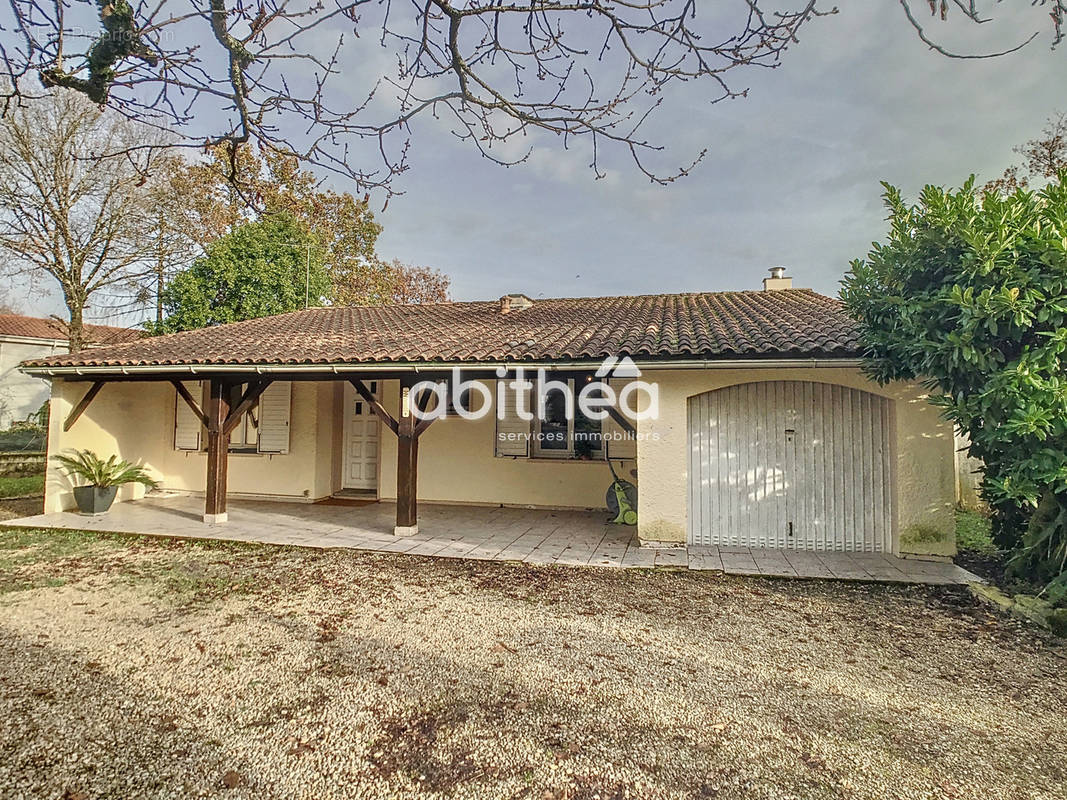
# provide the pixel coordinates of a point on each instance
(134, 668)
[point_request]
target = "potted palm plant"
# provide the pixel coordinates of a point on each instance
(102, 479)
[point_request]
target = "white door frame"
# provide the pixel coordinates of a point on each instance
(351, 401)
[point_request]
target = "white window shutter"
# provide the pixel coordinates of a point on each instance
(620, 445)
(512, 432)
(186, 424)
(274, 406)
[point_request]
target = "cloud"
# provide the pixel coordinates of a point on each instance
(791, 176)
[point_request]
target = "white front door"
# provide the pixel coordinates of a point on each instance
(361, 430)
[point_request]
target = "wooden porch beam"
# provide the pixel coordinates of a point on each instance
(375, 406)
(251, 396)
(422, 425)
(423, 402)
(83, 404)
(189, 401)
(218, 447)
(407, 470)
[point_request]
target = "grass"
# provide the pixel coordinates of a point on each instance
(973, 533)
(27, 556)
(184, 571)
(21, 486)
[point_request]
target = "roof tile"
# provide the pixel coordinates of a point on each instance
(48, 328)
(796, 322)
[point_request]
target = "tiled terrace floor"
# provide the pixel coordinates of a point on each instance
(500, 534)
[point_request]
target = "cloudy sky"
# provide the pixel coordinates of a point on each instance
(791, 176)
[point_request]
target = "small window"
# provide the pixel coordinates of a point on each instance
(244, 438)
(469, 401)
(360, 408)
(262, 429)
(556, 436)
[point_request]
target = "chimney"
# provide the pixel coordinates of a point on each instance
(514, 302)
(777, 281)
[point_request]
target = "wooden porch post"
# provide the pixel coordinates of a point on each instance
(407, 429)
(407, 466)
(218, 447)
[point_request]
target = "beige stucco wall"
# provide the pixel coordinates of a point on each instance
(969, 473)
(456, 457)
(922, 460)
(457, 463)
(136, 421)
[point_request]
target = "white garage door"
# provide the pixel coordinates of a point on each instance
(790, 464)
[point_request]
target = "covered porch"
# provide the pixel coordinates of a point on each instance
(232, 436)
(533, 536)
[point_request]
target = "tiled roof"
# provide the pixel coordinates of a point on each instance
(792, 323)
(46, 328)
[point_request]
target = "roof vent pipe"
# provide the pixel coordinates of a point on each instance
(777, 281)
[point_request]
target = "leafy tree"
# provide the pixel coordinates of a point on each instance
(168, 217)
(411, 284)
(255, 183)
(261, 268)
(969, 294)
(267, 183)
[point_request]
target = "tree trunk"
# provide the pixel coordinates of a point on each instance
(160, 268)
(74, 327)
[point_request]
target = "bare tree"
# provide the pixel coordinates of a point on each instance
(7, 304)
(1043, 159)
(170, 236)
(65, 213)
(313, 78)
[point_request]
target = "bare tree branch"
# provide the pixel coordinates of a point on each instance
(304, 78)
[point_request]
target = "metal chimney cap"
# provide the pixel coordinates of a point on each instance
(777, 272)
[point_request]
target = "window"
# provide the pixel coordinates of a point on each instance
(361, 407)
(262, 429)
(244, 438)
(560, 435)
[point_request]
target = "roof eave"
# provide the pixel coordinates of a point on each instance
(194, 370)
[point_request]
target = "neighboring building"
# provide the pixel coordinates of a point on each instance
(767, 434)
(22, 338)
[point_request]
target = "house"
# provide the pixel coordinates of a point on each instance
(23, 338)
(744, 414)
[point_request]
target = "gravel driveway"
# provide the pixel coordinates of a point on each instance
(137, 668)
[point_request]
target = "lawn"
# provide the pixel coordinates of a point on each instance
(973, 533)
(147, 668)
(21, 486)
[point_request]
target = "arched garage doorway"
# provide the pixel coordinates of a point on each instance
(790, 464)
